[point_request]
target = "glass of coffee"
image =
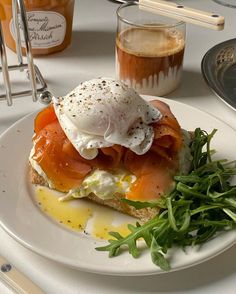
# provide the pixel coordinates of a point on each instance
(149, 50)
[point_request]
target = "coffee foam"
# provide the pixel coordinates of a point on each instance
(151, 42)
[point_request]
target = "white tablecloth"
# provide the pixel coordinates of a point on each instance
(92, 55)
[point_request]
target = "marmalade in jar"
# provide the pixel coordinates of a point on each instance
(49, 22)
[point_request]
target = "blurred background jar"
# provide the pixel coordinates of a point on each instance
(49, 22)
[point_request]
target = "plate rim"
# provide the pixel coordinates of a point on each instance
(205, 73)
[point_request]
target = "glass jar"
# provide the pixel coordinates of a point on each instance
(49, 22)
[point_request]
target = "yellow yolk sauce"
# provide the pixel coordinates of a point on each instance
(81, 215)
(72, 216)
(102, 225)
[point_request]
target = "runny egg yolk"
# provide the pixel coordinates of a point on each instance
(80, 215)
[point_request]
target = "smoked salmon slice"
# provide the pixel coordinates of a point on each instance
(60, 161)
(66, 169)
(155, 169)
(154, 175)
(168, 138)
(44, 117)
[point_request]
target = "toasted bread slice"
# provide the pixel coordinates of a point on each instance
(143, 214)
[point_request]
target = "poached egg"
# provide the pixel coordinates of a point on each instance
(103, 112)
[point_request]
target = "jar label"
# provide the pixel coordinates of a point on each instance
(47, 29)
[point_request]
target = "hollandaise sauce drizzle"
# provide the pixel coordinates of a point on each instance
(77, 214)
(72, 216)
(102, 225)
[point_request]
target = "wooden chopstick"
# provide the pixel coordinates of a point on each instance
(186, 14)
(16, 280)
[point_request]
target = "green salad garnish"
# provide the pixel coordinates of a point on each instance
(201, 204)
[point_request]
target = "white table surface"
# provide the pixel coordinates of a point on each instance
(92, 55)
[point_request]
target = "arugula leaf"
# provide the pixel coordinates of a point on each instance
(230, 213)
(137, 232)
(139, 204)
(201, 204)
(158, 257)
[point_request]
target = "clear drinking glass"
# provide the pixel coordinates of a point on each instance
(149, 50)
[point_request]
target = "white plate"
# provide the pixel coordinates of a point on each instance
(22, 219)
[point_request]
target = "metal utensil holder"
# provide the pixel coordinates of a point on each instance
(37, 83)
